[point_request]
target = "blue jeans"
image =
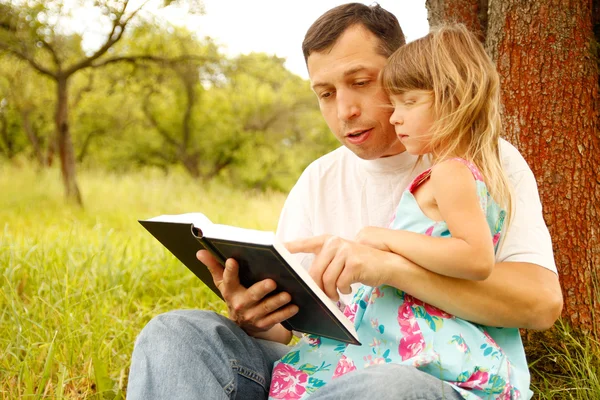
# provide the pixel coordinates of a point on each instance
(192, 354)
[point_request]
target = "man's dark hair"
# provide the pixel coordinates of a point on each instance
(327, 29)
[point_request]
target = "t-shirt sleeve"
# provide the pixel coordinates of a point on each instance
(527, 238)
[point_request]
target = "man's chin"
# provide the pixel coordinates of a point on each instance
(374, 154)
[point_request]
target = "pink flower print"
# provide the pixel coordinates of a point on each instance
(370, 361)
(436, 312)
(374, 323)
(429, 309)
(412, 341)
(350, 311)
(425, 359)
(377, 292)
(475, 382)
(287, 382)
(377, 326)
(410, 346)
(429, 230)
(496, 239)
(461, 344)
(313, 341)
(516, 394)
(344, 366)
(407, 321)
(506, 394)
(375, 343)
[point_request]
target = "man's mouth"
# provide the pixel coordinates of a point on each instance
(358, 137)
(357, 133)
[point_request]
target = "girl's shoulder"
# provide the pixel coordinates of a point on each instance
(454, 168)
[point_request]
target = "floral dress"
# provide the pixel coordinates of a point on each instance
(480, 362)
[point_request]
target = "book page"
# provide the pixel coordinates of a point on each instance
(198, 219)
(237, 234)
(218, 231)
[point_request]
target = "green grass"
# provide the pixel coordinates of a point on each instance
(77, 285)
(568, 365)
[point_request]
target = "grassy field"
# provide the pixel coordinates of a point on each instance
(78, 285)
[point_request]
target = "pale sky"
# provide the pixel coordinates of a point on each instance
(278, 27)
(269, 26)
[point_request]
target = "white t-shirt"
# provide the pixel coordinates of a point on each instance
(340, 193)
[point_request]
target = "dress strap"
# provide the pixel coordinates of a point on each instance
(472, 167)
(422, 177)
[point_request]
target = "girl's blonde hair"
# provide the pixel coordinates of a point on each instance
(451, 63)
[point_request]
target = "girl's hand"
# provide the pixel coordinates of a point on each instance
(373, 237)
(340, 263)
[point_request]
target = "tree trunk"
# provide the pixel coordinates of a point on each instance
(6, 139)
(65, 144)
(547, 63)
(546, 55)
(33, 138)
(191, 163)
(472, 13)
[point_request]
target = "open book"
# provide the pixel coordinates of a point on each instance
(260, 256)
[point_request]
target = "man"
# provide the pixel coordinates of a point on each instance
(198, 354)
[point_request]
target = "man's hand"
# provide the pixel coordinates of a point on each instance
(251, 309)
(340, 263)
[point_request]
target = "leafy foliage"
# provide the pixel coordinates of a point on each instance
(172, 100)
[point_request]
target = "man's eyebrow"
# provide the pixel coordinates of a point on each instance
(351, 71)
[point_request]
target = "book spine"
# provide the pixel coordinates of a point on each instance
(208, 246)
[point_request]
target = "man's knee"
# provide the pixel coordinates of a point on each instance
(178, 325)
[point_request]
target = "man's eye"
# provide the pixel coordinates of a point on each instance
(325, 95)
(361, 83)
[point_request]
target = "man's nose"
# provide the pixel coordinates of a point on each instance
(348, 106)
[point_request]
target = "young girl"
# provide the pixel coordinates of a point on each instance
(445, 93)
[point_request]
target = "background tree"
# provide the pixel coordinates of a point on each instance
(27, 96)
(547, 56)
(31, 33)
(271, 118)
(171, 97)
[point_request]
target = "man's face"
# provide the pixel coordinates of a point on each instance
(354, 105)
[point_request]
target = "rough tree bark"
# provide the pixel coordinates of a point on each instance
(472, 13)
(546, 54)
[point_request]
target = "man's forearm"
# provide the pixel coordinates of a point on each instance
(515, 295)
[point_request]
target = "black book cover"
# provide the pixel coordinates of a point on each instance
(257, 261)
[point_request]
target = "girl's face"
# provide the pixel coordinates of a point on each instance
(412, 119)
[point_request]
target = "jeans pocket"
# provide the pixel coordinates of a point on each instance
(250, 383)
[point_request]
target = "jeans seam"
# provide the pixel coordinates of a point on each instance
(248, 373)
